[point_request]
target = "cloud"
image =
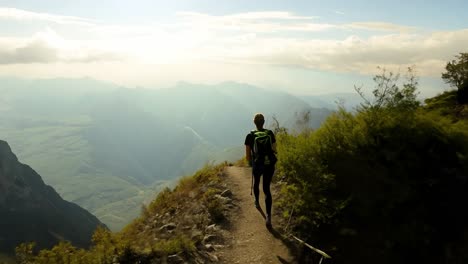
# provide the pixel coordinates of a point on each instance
(48, 47)
(258, 22)
(379, 26)
(429, 52)
(23, 15)
(248, 16)
(267, 22)
(34, 52)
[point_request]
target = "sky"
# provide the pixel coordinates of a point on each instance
(303, 47)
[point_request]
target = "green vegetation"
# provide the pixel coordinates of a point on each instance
(384, 184)
(5, 259)
(173, 223)
(457, 76)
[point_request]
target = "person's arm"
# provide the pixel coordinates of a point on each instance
(248, 149)
(248, 154)
(273, 142)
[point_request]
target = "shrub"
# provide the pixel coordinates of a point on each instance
(383, 185)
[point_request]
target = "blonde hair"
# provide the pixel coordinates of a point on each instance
(259, 120)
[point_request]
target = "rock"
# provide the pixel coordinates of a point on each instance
(192, 194)
(218, 246)
(209, 248)
(168, 227)
(196, 234)
(224, 200)
(209, 239)
(226, 193)
(199, 245)
(213, 257)
(211, 228)
(211, 184)
(175, 259)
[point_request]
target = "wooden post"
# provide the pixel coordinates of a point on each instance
(324, 255)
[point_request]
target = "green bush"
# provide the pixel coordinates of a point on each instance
(386, 184)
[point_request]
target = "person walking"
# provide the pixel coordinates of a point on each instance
(260, 150)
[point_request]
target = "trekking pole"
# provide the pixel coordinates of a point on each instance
(251, 184)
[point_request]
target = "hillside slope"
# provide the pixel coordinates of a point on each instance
(33, 211)
(384, 184)
(208, 218)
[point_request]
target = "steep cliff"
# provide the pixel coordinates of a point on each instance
(30, 210)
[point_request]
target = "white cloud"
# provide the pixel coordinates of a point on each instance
(379, 26)
(429, 52)
(48, 47)
(248, 16)
(23, 15)
(34, 52)
(259, 22)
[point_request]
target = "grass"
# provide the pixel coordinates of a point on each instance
(5, 259)
(180, 243)
(190, 197)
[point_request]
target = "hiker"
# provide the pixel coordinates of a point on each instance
(260, 150)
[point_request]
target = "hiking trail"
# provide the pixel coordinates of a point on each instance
(251, 240)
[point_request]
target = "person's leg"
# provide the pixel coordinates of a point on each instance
(267, 176)
(256, 174)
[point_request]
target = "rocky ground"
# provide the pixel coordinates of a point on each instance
(234, 233)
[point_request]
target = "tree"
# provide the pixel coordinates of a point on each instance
(457, 76)
(389, 95)
(24, 253)
(103, 245)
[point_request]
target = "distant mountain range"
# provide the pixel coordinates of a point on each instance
(110, 149)
(331, 101)
(33, 211)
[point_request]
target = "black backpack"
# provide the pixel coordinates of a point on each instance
(262, 147)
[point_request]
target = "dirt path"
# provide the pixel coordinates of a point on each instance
(252, 241)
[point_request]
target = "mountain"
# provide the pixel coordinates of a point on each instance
(331, 101)
(33, 211)
(110, 149)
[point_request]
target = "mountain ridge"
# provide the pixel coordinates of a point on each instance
(34, 211)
